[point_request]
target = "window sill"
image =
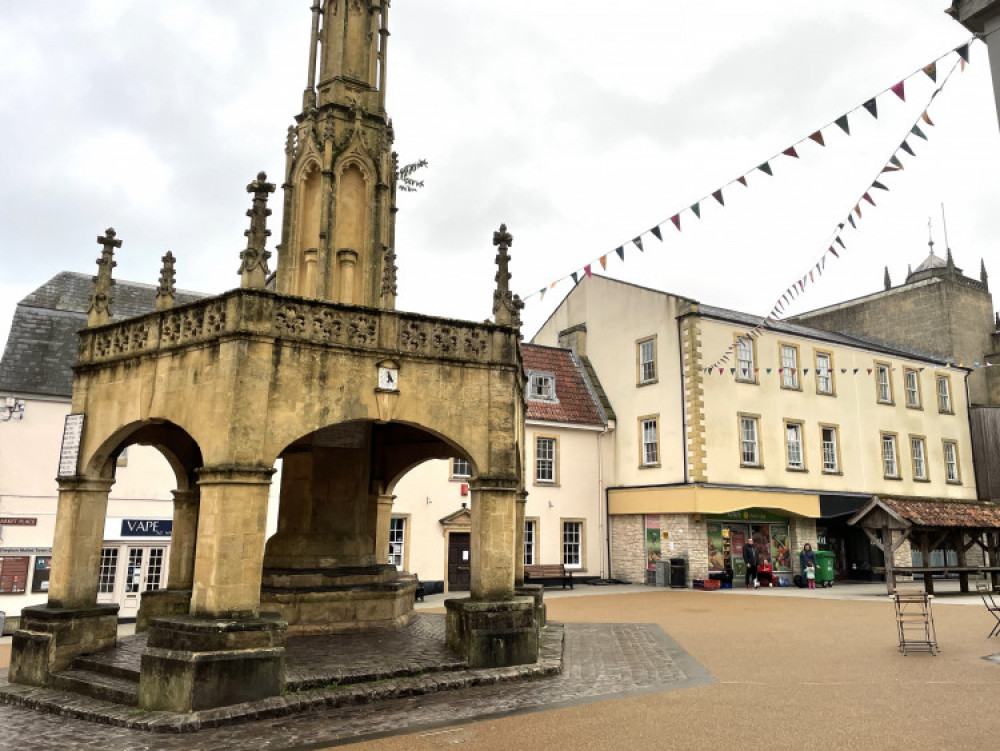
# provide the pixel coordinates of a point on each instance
(833, 472)
(886, 404)
(896, 478)
(946, 411)
(921, 479)
(751, 466)
(647, 383)
(799, 470)
(826, 393)
(460, 478)
(791, 388)
(953, 482)
(649, 466)
(753, 382)
(545, 484)
(917, 407)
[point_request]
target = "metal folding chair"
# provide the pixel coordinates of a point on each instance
(986, 592)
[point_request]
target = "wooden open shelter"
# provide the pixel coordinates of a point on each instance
(931, 524)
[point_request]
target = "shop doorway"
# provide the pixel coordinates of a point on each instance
(129, 570)
(458, 562)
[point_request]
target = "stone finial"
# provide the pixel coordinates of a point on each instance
(253, 267)
(505, 305)
(950, 261)
(165, 292)
(886, 280)
(99, 311)
(389, 273)
(982, 274)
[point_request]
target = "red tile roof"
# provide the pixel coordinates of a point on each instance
(574, 401)
(942, 513)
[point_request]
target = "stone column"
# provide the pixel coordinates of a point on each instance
(76, 547)
(176, 598)
(346, 261)
(522, 502)
(494, 518)
(230, 548)
(382, 523)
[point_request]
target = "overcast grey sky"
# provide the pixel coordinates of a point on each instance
(579, 123)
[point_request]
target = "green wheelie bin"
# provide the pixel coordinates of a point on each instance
(824, 568)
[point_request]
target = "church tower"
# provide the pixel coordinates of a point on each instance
(338, 233)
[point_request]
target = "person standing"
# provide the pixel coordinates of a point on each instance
(811, 575)
(807, 558)
(751, 558)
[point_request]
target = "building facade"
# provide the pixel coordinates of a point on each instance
(569, 436)
(795, 431)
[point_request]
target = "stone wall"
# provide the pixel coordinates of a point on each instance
(628, 548)
(800, 531)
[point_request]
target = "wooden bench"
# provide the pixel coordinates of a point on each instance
(547, 573)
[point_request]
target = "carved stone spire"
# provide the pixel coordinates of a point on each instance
(389, 273)
(253, 269)
(165, 292)
(886, 280)
(950, 261)
(506, 307)
(99, 311)
(982, 274)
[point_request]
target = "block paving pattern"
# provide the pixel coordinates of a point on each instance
(598, 661)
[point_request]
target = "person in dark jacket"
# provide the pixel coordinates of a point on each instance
(751, 558)
(806, 557)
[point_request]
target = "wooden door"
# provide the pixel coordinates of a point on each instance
(458, 562)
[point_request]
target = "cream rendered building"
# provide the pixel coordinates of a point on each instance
(569, 438)
(798, 429)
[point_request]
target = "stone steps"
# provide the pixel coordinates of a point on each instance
(98, 686)
(98, 663)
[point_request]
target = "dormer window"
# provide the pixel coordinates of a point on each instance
(542, 387)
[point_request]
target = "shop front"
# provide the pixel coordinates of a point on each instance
(729, 533)
(133, 560)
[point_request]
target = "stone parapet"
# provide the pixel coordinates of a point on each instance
(50, 638)
(493, 633)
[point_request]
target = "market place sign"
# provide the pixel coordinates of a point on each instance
(18, 521)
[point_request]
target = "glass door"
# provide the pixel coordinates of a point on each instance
(738, 537)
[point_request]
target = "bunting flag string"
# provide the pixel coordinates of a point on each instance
(792, 151)
(798, 287)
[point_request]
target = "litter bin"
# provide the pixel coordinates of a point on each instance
(824, 568)
(678, 573)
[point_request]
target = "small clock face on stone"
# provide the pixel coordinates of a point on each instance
(388, 378)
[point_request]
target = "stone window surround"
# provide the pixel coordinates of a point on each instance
(742, 341)
(829, 367)
(803, 467)
(922, 439)
(790, 381)
(884, 367)
(582, 566)
(918, 403)
(889, 438)
(640, 362)
(554, 482)
(839, 470)
(945, 443)
(641, 422)
(758, 446)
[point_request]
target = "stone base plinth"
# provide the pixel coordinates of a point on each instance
(49, 639)
(194, 663)
(161, 603)
(536, 593)
(493, 634)
(339, 600)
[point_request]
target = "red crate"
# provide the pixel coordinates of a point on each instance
(706, 584)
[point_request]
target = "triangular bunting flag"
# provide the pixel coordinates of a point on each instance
(621, 252)
(811, 276)
(868, 198)
(586, 270)
(906, 147)
(898, 90)
(872, 107)
(805, 371)
(696, 208)
(915, 130)
(765, 168)
(790, 151)
(879, 185)
(855, 371)
(743, 180)
(869, 371)
(676, 219)
(926, 118)
(656, 233)
(835, 253)
(818, 138)
(895, 160)
(553, 285)
(857, 209)
(850, 218)
(717, 195)
(888, 168)
(732, 371)
(963, 52)
(575, 280)
(844, 125)
(603, 260)
(541, 293)
(638, 242)
(931, 70)
(720, 371)
(768, 371)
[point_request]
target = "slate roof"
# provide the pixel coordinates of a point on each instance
(576, 400)
(41, 348)
(932, 512)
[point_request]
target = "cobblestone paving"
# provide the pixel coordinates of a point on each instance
(601, 661)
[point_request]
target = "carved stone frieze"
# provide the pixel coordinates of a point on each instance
(439, 339)
(323, 325)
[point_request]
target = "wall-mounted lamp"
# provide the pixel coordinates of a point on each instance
(12, 409)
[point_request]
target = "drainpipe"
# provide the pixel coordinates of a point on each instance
(972, 441)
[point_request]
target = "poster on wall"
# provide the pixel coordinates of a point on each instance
(40, 579)
(780, 553)
(716, 559)
(13, 574)
(653, 547)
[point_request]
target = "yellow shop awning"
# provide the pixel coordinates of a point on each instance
(701, 499)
